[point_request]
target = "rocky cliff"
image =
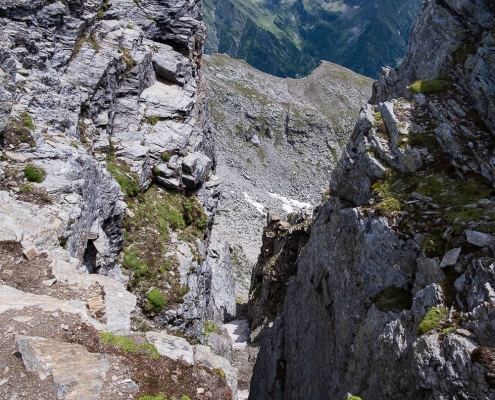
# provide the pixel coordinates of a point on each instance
(105, 150)
(393, 295)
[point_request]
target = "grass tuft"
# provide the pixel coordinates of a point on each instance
(27, 121)
(165, 156)
(427, 87)
(127, 58)
(152, 120)
(34, 174)
(157, 300)
(127, 180)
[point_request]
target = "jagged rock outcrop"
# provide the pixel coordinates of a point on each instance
(393, 295)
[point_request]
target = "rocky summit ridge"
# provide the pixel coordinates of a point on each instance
(389, 287)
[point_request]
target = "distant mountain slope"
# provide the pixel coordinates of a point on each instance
(277, 141)
(289, 38)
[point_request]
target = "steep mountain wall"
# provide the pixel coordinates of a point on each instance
(106, 214)
(393, 295)
(289, 38)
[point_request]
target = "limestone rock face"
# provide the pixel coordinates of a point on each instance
(393, 295)
(80, 375)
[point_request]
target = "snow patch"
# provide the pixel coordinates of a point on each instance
(259, 207)
(290, 205)
(239, 333)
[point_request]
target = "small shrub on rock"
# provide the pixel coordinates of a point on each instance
(157, 300)
(165, 156)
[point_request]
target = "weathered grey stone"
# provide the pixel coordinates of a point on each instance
(450, 258)
(79, 376)
(204, 356)
(479, 238)
(171, 346)
(170, 65)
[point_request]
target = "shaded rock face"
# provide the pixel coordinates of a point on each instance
(393, 294)
(277, 263)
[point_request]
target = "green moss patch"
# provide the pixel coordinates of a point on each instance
(433, 320)
(211, 327)
(128, 345)
(427, 87)
(393, 298)
(125, 343)
(220, 372)
(151, 349)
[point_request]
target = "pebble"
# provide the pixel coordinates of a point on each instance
(64, 327)
(3, 381)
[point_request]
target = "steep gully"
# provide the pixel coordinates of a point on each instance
(109, 249)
